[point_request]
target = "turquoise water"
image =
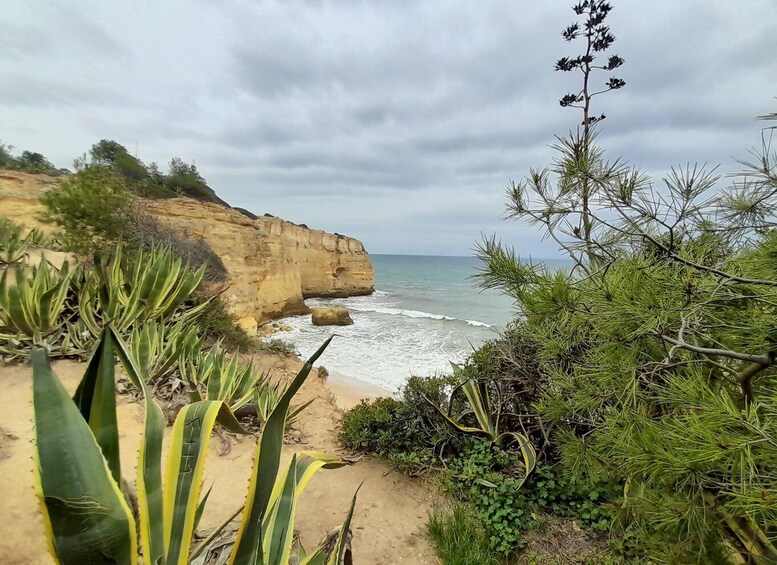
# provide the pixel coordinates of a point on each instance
(425, 313)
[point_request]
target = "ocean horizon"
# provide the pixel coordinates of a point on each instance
(426, 313)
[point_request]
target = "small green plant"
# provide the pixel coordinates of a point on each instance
(276, 345)
(459, 538)
(508, 506)
(483, 476)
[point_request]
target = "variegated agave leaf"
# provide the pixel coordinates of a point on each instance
(33, 301)
(487, 418)
(158, 346)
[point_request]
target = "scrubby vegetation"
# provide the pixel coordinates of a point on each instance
(28, 162)
(643, 377)
(182, 179)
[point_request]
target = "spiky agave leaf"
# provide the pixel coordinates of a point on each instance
(32, 305)
(95, 398)
(248, 544)
(87, 518)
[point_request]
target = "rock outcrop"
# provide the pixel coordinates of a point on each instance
(272, 265)
(330, 316)
(19, 193)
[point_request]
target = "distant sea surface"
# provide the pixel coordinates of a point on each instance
(426, 312)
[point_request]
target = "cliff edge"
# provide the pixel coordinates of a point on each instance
(272, 264)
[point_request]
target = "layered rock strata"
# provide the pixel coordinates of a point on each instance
(272, 265)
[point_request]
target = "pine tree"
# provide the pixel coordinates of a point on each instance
(658, 349)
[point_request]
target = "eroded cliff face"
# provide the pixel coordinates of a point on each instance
(19, 194)
(272, 265)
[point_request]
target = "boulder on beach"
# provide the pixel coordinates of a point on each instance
(331, 316)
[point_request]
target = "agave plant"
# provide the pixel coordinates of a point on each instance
(80, 483)
(153, 286)
(32, 304)
(487, 417)
(13, 249)
(266, 398)
(157, 346)
(217, 375)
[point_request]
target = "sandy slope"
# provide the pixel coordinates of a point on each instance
(389, 523)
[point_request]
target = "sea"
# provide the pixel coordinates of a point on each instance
(426, 313)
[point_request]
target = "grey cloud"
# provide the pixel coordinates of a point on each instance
(398, 123)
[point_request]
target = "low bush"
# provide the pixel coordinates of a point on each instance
(407, 432)
(28, 161)
(276, 346)
(218, 324)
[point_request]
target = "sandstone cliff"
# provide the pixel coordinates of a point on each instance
(272, 265)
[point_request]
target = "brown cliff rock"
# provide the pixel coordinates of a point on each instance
(331, 316)
(19, 193)
(272, 265)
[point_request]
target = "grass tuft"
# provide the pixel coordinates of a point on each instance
(459, 538)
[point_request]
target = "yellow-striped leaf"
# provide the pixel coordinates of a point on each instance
(86, 517)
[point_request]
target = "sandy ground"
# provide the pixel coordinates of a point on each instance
(391, 512)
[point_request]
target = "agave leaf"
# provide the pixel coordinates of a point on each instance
(336, 556)
(149, 469)
(87, 519)
(318, 557)
(527, 449)
(248, 544)
(455, 423)
(278, 526)
(477, 397)
(95, 398)
(279, 522)
(190, 439)
(201, 508)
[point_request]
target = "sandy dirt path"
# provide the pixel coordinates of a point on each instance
(389, 522)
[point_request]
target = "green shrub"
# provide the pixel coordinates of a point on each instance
(92, 208)
(218, 324)
(276, 345)
(28, 161)
(407, 432)
(459, 538)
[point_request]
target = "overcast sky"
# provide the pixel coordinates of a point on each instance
(396, 122)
